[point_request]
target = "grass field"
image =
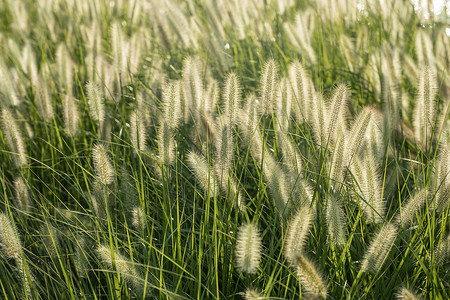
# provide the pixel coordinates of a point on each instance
(224, 149)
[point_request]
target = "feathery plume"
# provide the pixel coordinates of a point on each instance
(12, 248)
(365, 172)
(414, 204)
(95, 101)
(231, 98)
(225, 151)
(442, 251)
(248, 248)
(309, 277)
(301, 88)
(253, 294)
(203, 172)
(317, 117)
(338, 163)
(284, 102)
(166, 144)
(379, 249)
(211, 97)
(118, 48)
(297, 233)
(50, 239)
(102, 165)
(442, 183)
(248, 117)
(71, 115)
(192, 82)
(357, 133)
(14, 139)
(425, 107)
(138, 133)
(44, 100)
(138, 218)
(172, 104)
(335, 221)
(336, 117)
(406, 294)
(81, 260)
(65, 69)
(9, 238)
(269, 77)
(22, 198)
(123, 266)
(291, 156)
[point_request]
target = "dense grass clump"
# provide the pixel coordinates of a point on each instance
(224, 149)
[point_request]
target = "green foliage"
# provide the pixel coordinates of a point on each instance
(221, 149)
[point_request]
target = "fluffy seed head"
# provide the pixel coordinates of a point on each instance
(123, 266)
(193, 82)
(138, 133)
(71, 115)
(118, 47)
(337, 114)
(102, 165)
(231, 98)
(309, 277)
(9, 238)
(338, 163)
(166, 144)
(172, 104)
(406, 294)
(81, 260)
(22, 196)
(442, 251)
(248, 248)
(425, 107)
(300, 86)
(358, 132)
(291, 156)
(297, 233)
(14, 139)
(379, 249)
(50, 239)
(252, 294)
(268, 83)
(95, 101)
(44, 100)
(368, 183)
(414, 204)
(138, 218)
(284, 103)
(335, 221)
(225, 150)
(203, 172)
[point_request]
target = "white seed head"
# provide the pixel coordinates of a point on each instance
(95, 101)
(102, 165)
(138, 131)
(14, 139)
(71, 115)
(269, 78)
(231, 98)
(166, 144)
(406, 294)
(310, 278)
(297, 233)
(379, 249)
(22, 198)
(248, 248)
(203, 172)
(9, 238)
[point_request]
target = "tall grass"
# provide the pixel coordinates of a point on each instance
(224, 149)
